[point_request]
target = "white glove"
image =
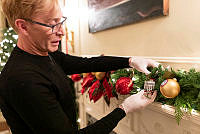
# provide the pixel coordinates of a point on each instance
(137, 101)
(141, 64)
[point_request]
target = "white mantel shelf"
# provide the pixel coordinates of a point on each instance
(169, 111)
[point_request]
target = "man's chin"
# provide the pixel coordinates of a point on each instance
(53, 49)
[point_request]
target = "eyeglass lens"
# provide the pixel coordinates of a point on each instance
(57, 27)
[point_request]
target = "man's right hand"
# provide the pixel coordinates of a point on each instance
(137, 101)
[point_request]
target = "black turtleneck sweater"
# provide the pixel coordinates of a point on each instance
(35, 96)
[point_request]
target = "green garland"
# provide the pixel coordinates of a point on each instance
(189, 81)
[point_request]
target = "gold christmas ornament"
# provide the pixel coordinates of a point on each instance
(85, 74)
(93, 73)
(170, 88)
(100, 75)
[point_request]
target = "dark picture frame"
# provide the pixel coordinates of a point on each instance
(107, 14)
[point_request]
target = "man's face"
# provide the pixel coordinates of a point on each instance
(42, 38)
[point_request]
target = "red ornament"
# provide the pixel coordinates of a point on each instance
(124, 85)
(76, 77)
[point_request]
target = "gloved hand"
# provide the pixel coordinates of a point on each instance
(141, 64)
(137, 101)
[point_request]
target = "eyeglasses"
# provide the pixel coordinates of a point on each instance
(55, 28)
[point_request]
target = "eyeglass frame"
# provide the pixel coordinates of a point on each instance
(46, 25)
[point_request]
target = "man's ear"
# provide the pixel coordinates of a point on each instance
(21, 25)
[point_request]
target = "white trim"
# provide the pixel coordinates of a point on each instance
(176, 59)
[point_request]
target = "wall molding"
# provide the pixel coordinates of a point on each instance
(183, 60)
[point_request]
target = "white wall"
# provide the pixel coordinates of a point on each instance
(176, 35)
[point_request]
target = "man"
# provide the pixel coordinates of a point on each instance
(35, 96)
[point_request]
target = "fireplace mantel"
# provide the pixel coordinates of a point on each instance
(154, 119)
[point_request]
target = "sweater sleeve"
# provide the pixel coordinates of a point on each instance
(34, 99)
(36, 103)
(106, 124)
(74, 64)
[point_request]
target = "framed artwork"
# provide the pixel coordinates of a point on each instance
(106, 14)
